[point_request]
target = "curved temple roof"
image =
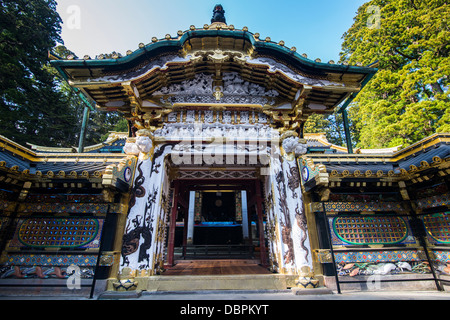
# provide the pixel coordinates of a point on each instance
(201, 61)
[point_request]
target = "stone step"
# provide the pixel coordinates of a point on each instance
(216, 282)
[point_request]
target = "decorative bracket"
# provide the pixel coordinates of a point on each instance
(323, 255)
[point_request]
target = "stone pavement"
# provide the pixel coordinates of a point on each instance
(237, 295)
(290, 296)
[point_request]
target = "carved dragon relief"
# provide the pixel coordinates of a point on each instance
(142, 225)
(286, 226)
(293, 180)
(140, 229)
(303, 225)
(273, 235)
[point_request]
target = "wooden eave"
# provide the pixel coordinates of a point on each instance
(25, 165)
(80, 73)
(376, 164)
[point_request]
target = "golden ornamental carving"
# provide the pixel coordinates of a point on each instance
(218, 57)
(437, 160)
(424, 164)
(218, 94)
(307, 279)
(126, 281)
(324, 256)
(317, 207)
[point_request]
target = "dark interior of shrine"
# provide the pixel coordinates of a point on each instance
(218, 225)
(219, 207)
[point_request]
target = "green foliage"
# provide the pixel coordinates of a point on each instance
(100, 123)
(408, 99)
(332, 126)
(32, 108)
(316, 123)
(37, 106)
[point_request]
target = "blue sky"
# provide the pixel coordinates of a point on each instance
(102, 26)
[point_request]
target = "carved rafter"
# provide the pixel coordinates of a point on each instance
(140, 94)
(134, 97)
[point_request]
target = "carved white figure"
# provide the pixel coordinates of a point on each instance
(131, 149)
(201, 84)
(404, 265)
(144, 144)
(190, 116)
(227, 117)
(172, 117)
(244, 117)
(209, 116)
(292, 144)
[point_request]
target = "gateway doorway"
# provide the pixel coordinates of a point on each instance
(217, 220)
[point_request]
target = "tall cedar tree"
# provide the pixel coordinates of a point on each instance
(32, 107)
(408, 99)
(332, 126)
(36, 105)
